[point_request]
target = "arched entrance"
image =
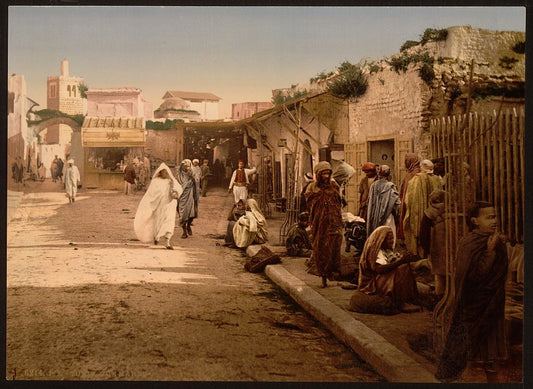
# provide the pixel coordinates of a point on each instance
(64, 148)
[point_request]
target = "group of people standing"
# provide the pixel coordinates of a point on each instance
(415, 214)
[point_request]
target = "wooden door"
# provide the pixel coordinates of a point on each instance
(402, 147)
(356, 156)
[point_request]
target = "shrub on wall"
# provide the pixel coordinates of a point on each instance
(520, 47)
(351, 82)
(162, 126)
(401, 63)
(46, 114)
(280, 98)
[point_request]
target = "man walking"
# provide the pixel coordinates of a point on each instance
(325, 206)
(72, 177)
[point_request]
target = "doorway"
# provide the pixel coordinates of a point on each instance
(382, 153)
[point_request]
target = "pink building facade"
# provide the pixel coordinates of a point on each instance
(118, 102)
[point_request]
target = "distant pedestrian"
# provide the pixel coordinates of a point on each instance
(412, 166)
(72, 180)
(155, 218)
(41, 171)
(325, 206)
(129, 178)
(477, 330)
(205, 177)
(297, 242)
(60, 166)
(17, 170)
(54, 169)
(197, 174)
(383, 203)
(369, 169)
(239, 182)
(187, 203)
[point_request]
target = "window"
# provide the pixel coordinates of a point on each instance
(74, 90)
(68, 89)
(52, 92)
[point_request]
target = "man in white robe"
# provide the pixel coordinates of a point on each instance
(72, 177)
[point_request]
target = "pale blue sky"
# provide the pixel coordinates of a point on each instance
(238, 53)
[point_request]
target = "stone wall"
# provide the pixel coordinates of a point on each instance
(393, 105)
(402, 104)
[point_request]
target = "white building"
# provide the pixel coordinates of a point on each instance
(206, 104)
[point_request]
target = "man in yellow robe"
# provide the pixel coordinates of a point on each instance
(416, 202)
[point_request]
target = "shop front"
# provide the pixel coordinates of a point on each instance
(108, 145)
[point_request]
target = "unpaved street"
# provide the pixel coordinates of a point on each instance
(86, 301)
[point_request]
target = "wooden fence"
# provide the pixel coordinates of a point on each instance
(483, 154)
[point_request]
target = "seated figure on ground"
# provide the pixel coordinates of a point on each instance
(386, 273)
(250, 228)
(234, 215)
(297, 242)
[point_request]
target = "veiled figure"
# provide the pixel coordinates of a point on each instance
(188, 201)
(384, 272)
(156, 214)
(252, 227)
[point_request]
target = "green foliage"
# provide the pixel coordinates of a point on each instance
(408, 45)
(491, 89)
(351, 82)
(374, 68)
(426, 73)
(162, 126)
(401, 63)
(83, 88)
(520, 47)
(429, 35)
(507, 62)
(433, 35)
(320, 76)
(280, 98)
(176, 110)
(46, 114)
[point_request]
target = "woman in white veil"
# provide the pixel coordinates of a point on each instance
(156, 214)
(250, 228)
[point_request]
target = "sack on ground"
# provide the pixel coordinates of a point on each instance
(366, 303)
(257, 262)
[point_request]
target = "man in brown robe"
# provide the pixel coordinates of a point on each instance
(478, 306)
(324, 201)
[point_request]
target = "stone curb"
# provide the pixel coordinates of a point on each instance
(388, 360)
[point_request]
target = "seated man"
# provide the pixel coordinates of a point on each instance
(234, 215)
(386, 273)
(297, 242)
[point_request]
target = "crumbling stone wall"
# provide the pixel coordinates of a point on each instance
(402, 104)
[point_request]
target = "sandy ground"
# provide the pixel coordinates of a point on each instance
(87, 301)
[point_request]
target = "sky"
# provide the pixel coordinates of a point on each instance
(239, 54)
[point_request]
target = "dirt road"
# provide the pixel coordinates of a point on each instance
(86, 301)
